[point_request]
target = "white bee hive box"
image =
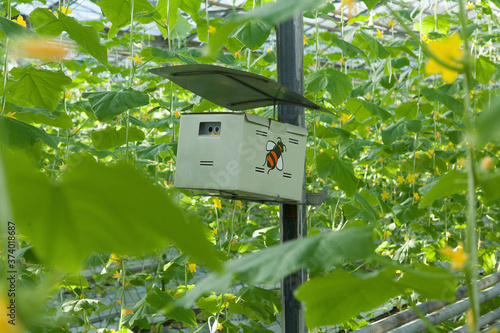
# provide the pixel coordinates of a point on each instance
(238, 155)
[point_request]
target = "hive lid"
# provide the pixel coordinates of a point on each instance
(231, 88)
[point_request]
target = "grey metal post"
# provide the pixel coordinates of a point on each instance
(290, 54)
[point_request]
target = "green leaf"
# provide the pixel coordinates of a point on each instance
(371, 3)
(160, 55)
(362, 110)
(75, 306)
(85, 36)
(336, 83)
(432, 282)
(429, 23)
(14, 30)
(414, 125)
(152, 151)
(341, 172)
(376, 110)
(489, 122)
(270, 14)
(160, 300)
(19, 135)
(400, 62)
(349, 49)
(371, 45)
(118, 11)
(38, 87)
(40, 115)
(318, 252)
(168, 11)
(109, 104)
(409, 110)
(253, 34)
(339, 296)
(45, 22)
(96, 208)
(447, 100)
(485, 69)
(315, 81)
(450, 183)
(394, 131)
(110, 137)
(191, 7)
(257, 304)
(490, 182)
(339, 85)
(368, 211)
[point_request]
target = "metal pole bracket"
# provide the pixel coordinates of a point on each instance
(316, 199)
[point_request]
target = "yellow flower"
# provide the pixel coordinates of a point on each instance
(457, 256)
(425, 39)
(145, 116)
(115, 258)
(384, 195)
(470, 5)
(391, 23)
(192, 267)
(400, 179)
(379, 33)
(487, 163)
(342, 60)
(68, 94)
(214, 231)
(11, 115)
(416, 196)
(20, 20)
(117, 275)
(127, 311)
(217, 203)
(410, 178)
(237, 55)
(40, 49)
(351, 8)
(380, 159)
(238, 204)
(305, 40)
(449, 52)
(211, 30)
(65, 10)
(219, 327)
(345, 118)
(177, 114)
(137, 59)
(387, 233)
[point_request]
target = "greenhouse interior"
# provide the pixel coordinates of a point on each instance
(249, 166)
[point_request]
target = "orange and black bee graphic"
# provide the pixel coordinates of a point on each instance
(274, 158)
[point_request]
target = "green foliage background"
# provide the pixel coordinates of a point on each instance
(89, 148)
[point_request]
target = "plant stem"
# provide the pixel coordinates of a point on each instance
(132, 74)
(5, 65)
(122, 296)
(471, 272)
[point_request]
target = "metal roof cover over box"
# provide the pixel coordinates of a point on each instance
(240, 155)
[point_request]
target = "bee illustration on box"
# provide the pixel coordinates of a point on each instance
(274, 158)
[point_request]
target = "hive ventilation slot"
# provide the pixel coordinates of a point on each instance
(207, 163)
